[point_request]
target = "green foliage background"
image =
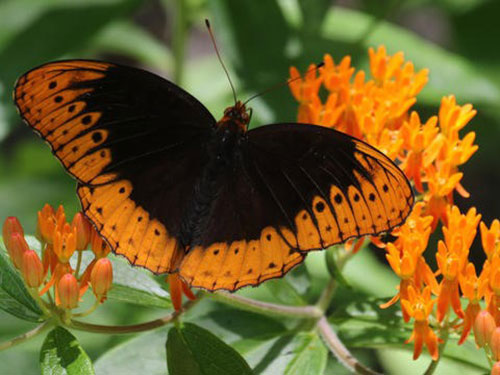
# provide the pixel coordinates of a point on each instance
(259, 39)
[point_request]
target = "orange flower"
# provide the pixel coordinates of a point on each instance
(423, 143)
(490, 238)
(452, 257)
(420, 306)
(307, 88)
(441, 183)
(64, 239)
(405, 255)
(48, 220)
(491, 272)
(473, 288)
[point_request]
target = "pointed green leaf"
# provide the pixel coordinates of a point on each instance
(309, 356)
(143, 354)
(61, 354)
(193, 350)
(14, 297)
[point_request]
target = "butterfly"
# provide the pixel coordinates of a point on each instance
(174, 190)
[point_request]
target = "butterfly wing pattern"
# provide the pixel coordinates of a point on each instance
(173, 190)
(296, 188)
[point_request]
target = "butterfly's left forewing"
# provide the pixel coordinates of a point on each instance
(295, 188)
(131, 139)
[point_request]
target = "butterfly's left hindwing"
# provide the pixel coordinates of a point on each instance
(131, 139)
(294, 188)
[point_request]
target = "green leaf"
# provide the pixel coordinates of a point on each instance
(61, 354)
(309, 356)
(334, 270)
(313, 14)
(126, 38)
(257, 47)
(193, 350)
(134, 285)
(301, 353)
(143, 354)
(284, 292)
(449, 73)
(362, 323)
(14, 297)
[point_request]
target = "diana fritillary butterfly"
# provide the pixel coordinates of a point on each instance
(174, 190)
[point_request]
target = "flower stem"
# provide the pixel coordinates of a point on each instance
(266, 307)
(147, 326)
(89, 311)
(327, 294)
(340, 351)
(445, 334)
(26, 336)
(78, 264)
(179, 37)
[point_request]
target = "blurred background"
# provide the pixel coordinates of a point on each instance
(259, 40)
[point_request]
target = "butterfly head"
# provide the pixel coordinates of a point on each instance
(236, 118)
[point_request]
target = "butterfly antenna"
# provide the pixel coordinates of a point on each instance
(220, 59)
(287, 82)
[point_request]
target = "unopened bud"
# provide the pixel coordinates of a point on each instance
(11, 225)
(32, 269)
(68, 291)
(101, 278)
(99, 246)
(495, 370)
(495, 343)
(484, 324)
(16, 246)
(83, 231)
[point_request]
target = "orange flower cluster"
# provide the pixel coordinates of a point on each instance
(378, 111)
(60, 241)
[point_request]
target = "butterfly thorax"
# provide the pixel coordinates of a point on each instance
(235, 119)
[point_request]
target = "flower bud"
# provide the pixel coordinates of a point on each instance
(32, 269)
(11, 225)
(68, 292)
(495, 370)
(83, 231)
(495, 343)
(16, 246)
(101, 278)
(99, 246)
(484, 324)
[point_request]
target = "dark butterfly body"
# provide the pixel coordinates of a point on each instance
(174, 190)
